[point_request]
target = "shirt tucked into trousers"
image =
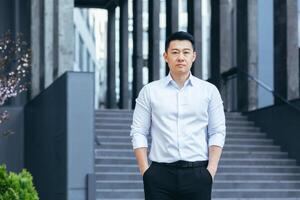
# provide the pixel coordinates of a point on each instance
(183, 123)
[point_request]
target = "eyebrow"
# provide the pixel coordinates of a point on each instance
(185, 49)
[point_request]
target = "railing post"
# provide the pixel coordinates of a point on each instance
(91, 186)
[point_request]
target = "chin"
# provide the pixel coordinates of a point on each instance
(182, 72)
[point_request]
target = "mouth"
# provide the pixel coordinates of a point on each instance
(180, 65)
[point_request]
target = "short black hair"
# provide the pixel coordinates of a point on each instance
(180, 35)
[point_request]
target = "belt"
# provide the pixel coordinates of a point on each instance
(183, 164)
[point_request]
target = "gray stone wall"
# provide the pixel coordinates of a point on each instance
(52, 41)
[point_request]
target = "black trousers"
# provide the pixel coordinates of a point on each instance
(182, 182)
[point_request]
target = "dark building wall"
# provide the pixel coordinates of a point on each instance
(281, 123)
(12, 145)
(59, 137)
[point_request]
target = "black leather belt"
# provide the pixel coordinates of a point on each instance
(183, 164)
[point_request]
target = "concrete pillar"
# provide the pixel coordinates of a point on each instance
(42, 44)
(172, 20)
(172, 16)
(195, 28)
(286, 56)
(124, 95)
(280, 49)
(19, 22)
(111, 63)
(247, 54)
(7, 16)
(292, 50)
(22, 18)
(48, 42)
(242, 54)
(52, 41)
(252, 54)
(154, 35)
(226, 32)
(137, 49)
(63, 36)
(215, 42)
(35, 46)
(286, 67)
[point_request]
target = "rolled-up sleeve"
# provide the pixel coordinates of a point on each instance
(216, 122)
(141, 119)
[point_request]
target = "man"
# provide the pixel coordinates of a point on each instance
(185, 118)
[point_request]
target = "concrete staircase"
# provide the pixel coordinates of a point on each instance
(251, 167)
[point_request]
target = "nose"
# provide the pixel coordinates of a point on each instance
(180, 56)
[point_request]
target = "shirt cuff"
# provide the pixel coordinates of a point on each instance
(139, 141)
(217, 139)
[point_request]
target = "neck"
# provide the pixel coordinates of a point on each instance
(180, 78)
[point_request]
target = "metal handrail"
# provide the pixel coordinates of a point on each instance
(265, 86)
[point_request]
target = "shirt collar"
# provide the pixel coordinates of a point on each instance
(191, 80)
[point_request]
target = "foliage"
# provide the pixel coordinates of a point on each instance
(15, 62)
(16, 186)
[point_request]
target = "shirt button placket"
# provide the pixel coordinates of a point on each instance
(178, 122)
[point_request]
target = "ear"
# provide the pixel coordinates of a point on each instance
(165, 57)
(194, 56)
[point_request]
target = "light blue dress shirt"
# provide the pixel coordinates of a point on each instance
(183, 122)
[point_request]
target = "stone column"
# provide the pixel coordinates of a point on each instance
(172, 20)
(252, 54)
(48, 42)
(292, 50)
(111, 63)
(242, 53)
(226, 48)
(247, 48)
(195, 28)
(124, 96)
(52, 41)
(172, 16)
(215, 42)
(137, 49)
(286, 59)
(63, 36)
(21, 25)
(35, 46)
(7, 17)
(154, 33)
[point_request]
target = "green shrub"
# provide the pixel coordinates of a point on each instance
(16, 186)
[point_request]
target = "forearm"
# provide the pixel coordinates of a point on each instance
(213, 158)
(142, 159)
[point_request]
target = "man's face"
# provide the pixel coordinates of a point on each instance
(180, 56)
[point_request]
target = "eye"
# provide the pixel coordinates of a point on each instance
(186, 52)
(174, 52)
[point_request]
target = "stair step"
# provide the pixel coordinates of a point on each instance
(225, 154)
(251, 166)
(127, 128)
(127, 147)
(259, 141)
(130, 115)
(275, 198)
(128, 121)
(223, 161)
(220, 184)
(130, 111)
(127, 125)
(245, 176)
(217, 193)
(221, 168)
(126, 132)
